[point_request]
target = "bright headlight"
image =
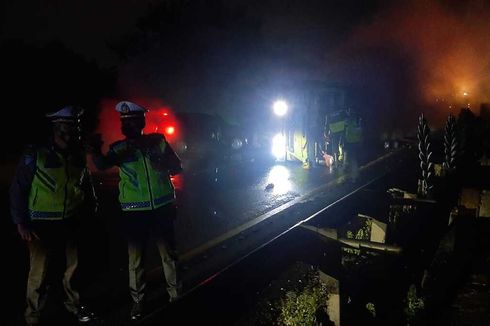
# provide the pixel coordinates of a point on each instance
(279, 146)
(280, 107)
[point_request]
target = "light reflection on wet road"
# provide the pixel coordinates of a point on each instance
(219, 199)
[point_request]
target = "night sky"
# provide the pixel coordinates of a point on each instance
(88, 26)
(397, 58)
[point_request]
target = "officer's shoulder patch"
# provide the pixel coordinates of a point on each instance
(29, 159)
(29, 155)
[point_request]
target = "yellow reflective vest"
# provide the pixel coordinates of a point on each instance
(337, 122)
(56, 192)
(353, 132)
(142, 186)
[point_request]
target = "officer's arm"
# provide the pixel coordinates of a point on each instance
(21, 186)
(88, 187)
(104, 162)
(167, 159)
(172, 160)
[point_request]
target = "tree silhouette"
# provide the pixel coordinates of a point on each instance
(37, 80)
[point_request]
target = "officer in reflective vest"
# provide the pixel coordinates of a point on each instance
(47, 196)
(146, 196)
(353, 147)
(336, 122)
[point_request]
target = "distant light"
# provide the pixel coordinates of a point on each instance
(279, 146)
(165, 113)
(170, 130)
(465, 94)
(280, 107)
(236, 143)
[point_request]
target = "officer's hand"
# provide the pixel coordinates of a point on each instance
(26, 233)
(96, 207)
(94, 143)
(154, 155)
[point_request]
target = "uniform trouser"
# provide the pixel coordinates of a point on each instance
(335, 140)
(352, 153)
(159, 224)
(54, 236)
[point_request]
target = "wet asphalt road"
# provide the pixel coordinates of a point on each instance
(219, 198)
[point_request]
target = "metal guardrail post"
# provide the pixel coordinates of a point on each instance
(450, 145)
(425, 153)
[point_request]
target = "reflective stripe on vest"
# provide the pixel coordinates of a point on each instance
(142, 187)
(55, 191)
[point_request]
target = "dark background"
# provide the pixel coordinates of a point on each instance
(226, 57)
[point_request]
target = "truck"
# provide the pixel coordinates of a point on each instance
(310, 130)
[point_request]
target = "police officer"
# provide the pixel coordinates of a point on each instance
(146, 196)
(47, 197)
(353, 147)
(336, 125)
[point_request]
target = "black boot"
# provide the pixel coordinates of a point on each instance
(137, 310)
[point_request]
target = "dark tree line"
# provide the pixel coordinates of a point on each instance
(41, 79)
